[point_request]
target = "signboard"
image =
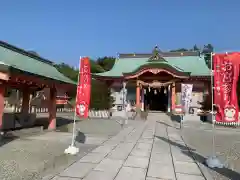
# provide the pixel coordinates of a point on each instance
(186, 96)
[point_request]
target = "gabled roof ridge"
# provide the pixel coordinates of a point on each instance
(25, 53)
(163, 54)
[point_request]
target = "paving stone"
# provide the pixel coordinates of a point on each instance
(64, 178)
(109, 165)
(139, 162)
(187, 168)
(92, 158)
(99, 175)
(161, 143)
(140, 152)
(161, 158)
(95, 140)
(111, 143)
(175, 137)
(143, 146)
(132, 139)
(161, 149)
(151, 178)
(78, 170)
(131, 173)
(103, 149)
(148, 141)
(150, 136)
(121, 152)
(161, 170)
(120, 155)
(180, 156)
(188, 177)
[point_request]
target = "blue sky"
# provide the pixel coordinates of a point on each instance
(62, 30)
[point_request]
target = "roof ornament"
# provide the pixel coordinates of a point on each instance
(156, 55)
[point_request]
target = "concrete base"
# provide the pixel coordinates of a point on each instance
(71, 150)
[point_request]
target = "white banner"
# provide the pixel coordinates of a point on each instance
(186, 96)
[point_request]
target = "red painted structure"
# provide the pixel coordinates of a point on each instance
(12, 77)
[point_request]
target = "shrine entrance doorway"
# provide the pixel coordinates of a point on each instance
(156, 99)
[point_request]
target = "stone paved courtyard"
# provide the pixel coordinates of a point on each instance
(41, 154)
(198, 136)
(141, 153)
(151, 150)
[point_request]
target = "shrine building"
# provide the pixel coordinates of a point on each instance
(154, 80)
(28, 73)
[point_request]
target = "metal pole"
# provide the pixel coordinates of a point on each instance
(72, 149)
(213, 161)
(213, 118)
(75, 115)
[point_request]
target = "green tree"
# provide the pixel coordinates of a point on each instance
(100, 92)
(100, 96)
(195, 48)
(207, 52)
(96, 68)
(106, 62)
(68, 71)
(179, 50)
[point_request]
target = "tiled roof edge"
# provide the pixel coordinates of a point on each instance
(163, 54)
(25, 53)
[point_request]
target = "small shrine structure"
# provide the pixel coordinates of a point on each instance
(28, 73)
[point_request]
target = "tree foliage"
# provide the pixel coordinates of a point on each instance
(106, 62)
(179, 50)
(100, 92)
(206, 51)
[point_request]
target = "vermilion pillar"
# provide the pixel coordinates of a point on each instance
(25, 101)
(173, 96)
(142, 99)
(52, 109)
(138, 95)
(2, 92)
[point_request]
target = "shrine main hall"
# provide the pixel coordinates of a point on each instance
(153, 80)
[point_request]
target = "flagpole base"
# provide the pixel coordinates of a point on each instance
(71, 150)
(213, 162)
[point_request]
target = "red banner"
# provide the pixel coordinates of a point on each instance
(226, 72)
(83, 88)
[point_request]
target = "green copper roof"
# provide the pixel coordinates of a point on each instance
(18, 59)
(195, 65)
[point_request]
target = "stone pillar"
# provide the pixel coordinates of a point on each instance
(2, 92)
(173, 96)
(138, 95)
(25, 102)
(52, 109)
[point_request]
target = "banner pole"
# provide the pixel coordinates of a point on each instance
(74, 127)
(213, 118)
(72, 149)
(213, 161)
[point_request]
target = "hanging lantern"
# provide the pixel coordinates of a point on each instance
(149, 89)
(155, 91)
(144, 91)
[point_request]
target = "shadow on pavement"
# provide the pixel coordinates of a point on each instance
(228, 173)
(163, 123)
(81, 138)
(7, 138)
(61, 123)
(176, 118)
